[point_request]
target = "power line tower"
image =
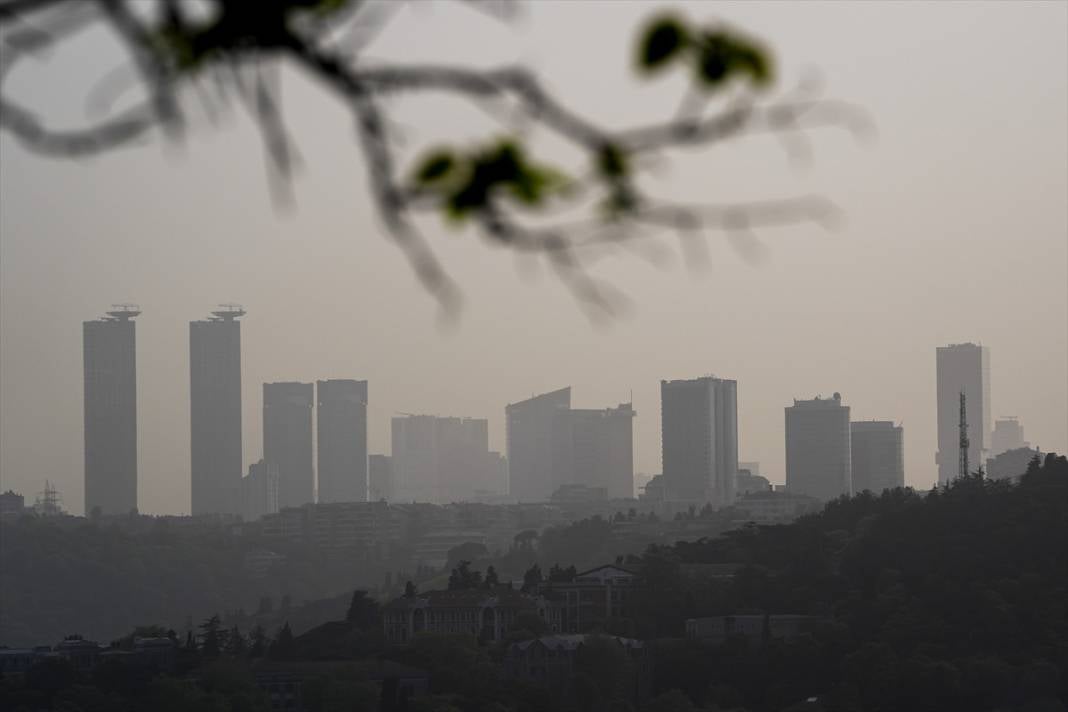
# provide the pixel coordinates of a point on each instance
(962, 461)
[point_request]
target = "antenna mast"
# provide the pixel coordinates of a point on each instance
(963, 457)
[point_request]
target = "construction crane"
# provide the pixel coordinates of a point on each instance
(962, 460)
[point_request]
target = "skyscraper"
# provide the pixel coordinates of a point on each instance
(529, 433)
(818, 460)
(877, 455)
(341, 439)
(595, 447)
(110, 361)
(259, 491)
(287, 440)
(962, 368)
(215, 411)
(699, 439)
(379, 478)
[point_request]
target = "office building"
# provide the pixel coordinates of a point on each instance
(818, 461)
(215, 411)
(877, 456)
(699, 439)
(110, 362)
(962, 368)
(341, 431)
(287, 440)
(529, 432)
(259, 491)
(1008, 435)
(595, 448)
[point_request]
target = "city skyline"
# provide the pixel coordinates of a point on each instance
(925, 221)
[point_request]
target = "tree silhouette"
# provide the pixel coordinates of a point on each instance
(233, 51)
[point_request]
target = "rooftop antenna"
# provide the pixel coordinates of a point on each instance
(962, 460)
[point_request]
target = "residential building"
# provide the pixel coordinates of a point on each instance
(962, 368)
(110, 368)
(530, 427)
(259, 491)
(442, 459)
(1011, 463)
(1008, 435)
(593, 598)
(338, 525)
(818, 461)
(486, 614)
(287, 440)
(877, 455)
(215, 411)
(699, 437)
(747, 482)
(380, 478)
(341, 430)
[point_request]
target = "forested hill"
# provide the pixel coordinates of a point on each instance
(952, 599)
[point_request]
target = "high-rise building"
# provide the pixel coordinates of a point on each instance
(379, 478)
(287, 440)
(877, 454)
(962, 368)
(595, 448)
(818, 461)
(259, 491)
(341, 432)
(215, 411)
(1008, 435)
(110, 361)
(699, 439)
(442, 459)
(530, 425)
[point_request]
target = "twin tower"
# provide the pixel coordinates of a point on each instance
(215, 422)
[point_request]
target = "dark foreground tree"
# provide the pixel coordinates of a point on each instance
(180, 50)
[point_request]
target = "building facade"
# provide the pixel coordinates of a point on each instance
(593, 598)
(379, 478)
(486, 614)
(962, 368)
(699, 438)
(215, 412)
(818, 447)
(1008, 435)
(110, 368)
(287, 440)
(877, 454)
(530, 427)
(442, 459)
(595, 448)
(341, 440)
(259, 491)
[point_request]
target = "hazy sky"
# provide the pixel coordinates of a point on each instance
(957, 230)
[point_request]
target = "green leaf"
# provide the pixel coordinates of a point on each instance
(612, 162)
(435, 167)
(754, 61)
(662, 41)
(714, 59)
